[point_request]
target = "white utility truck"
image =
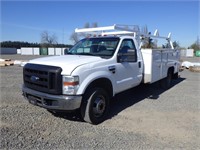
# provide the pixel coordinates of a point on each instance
(95, 69)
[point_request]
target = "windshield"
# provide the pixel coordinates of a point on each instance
(103, 47)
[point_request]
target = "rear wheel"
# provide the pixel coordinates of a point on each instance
(166, 82)
(175, 76)
(95, 105)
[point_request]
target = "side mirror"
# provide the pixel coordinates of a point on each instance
(120, 58)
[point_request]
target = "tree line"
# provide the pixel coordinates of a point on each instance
(19, 44)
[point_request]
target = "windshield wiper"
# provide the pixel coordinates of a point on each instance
(85, 54)
(69, 53)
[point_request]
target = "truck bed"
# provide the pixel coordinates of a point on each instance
(157, 62)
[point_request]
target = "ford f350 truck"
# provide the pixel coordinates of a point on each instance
(97, 68)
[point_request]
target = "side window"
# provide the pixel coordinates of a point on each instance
(128, 50)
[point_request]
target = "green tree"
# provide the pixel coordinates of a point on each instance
(176, 44)
(18, 44)
(196, 45)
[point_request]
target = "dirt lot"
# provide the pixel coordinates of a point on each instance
(144, 117)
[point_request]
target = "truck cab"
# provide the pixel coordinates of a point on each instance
(93, 71)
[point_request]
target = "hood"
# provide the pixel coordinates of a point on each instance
(67, 62)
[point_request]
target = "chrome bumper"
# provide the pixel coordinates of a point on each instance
(53, 102)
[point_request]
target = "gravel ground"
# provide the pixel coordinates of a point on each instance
(144, 117)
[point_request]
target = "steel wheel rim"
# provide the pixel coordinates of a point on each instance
(99, 106)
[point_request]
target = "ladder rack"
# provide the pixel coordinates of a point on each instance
(116, 29)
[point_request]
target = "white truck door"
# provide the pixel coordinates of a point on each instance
(128, 72)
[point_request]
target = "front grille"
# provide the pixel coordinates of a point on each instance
(43, 78)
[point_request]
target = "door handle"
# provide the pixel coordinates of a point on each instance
(112, 69)
(139, 64)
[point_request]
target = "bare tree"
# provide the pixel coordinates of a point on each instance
(144, 29)
(92, 25)
(48, 39)
(87, 25)
(148, 42)
(95, 24)
(76, 37)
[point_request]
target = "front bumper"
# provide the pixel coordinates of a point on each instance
(52, 102)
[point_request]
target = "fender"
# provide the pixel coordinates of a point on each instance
(94, 76)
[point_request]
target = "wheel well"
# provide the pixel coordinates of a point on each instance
(174, 75)
(102, 83)
(171, 69)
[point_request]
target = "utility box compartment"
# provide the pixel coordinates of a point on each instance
(157, 62)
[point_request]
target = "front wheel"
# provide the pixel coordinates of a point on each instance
(95, 105)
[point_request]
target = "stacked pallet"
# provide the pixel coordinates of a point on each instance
(194, 68)
(6, 62)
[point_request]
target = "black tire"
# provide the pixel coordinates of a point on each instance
(166, 82)
(95, 106)
(175, 76)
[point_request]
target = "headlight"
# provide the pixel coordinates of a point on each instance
(70, 85)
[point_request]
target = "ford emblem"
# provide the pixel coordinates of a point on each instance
(34, 78)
